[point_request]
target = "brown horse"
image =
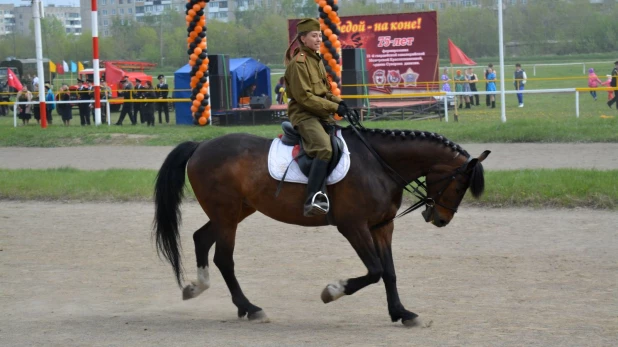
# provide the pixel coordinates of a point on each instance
(230, 179)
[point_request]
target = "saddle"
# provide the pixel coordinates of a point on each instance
(291, 137)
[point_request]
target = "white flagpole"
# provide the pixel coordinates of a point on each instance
(501, 40)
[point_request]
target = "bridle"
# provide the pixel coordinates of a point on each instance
(420, 190)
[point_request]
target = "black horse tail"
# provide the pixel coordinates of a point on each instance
(169, 191)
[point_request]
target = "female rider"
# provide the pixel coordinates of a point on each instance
(311, 107)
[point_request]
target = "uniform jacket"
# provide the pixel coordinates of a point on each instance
(162, 90)
(614, 77)
(308, 88)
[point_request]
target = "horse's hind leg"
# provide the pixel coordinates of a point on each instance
(225, 231)
(203, 238)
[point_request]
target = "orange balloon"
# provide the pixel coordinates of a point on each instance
(196, 7)
(332, 38)
(332, 15)
(323, 49)
(203, 68)
(189, 18)
(327, 9)
(206, 61)
(332, 63)
(206, 85)
(202, 45)
(337, 91)
(196, 103)
(337, 44)
(333, 85)
(202, 120)
(191, 13)
(208, 107)
(197, 50)
(193, 57)
(327, 56)
(199, 97)
(317, 1)
(192, 62)
(192, 35)
(322, 3)
(198, 28)
(193, 109)
(335, 2)
(206, 113)
(328, 32)
(199, 74)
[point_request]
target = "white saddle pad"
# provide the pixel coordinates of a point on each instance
(280, 156)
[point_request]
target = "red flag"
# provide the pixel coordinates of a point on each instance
(60, 69)
(457, 56)
(13, 81)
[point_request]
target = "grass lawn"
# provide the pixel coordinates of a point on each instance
(530, 188)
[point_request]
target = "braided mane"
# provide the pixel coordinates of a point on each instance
(416, 135)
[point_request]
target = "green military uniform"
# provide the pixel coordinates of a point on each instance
(311, 101)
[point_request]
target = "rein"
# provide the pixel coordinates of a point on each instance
(354, 120)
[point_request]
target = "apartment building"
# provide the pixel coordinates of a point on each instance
(18, 18)
(7, 19)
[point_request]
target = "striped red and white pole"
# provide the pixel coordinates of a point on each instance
(95, 64)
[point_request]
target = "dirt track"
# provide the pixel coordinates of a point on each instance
(492, 277)
(87, 274)
(507, 156)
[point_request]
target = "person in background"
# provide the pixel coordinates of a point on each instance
(446, 87)
(249, 91)
(613, 84)
(610, 93)
(459, 88)
(83, 94)
(473, 78)
(593, 82)
(24, 110)
(519, 77)
(162, 93)
(137, 106)
(127, 107)
(50, 105)
(490, 67)
(148, 93)
(106, 94)
(65, 109)
(278, 92)
(491, 85)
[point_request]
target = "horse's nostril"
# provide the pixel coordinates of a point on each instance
(442, 222)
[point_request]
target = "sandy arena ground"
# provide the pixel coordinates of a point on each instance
(87, 274)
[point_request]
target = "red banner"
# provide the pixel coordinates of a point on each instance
(402, 49)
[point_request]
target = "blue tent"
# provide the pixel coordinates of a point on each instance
(244, 72)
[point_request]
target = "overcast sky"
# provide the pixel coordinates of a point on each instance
(46, 2)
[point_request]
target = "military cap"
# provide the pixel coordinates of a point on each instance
(125, 77)
(89, 80)
(102, 80)
(138, 80)
(80, 81)
(307, 25)
(160, 77)
(47, 86)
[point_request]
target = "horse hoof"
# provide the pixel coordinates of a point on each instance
(417, 323)
(333, 291)
(192, 290)
(258, 317)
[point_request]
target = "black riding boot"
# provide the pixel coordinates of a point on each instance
(317, 201)
(493, 104)
(467, 105)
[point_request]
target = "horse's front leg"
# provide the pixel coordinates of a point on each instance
(382, 239)
(362, 242)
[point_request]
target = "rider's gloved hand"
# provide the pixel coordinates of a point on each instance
(342, 109)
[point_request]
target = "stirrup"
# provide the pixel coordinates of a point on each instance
(316, 209)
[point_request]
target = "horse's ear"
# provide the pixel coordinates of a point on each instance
(483, 156)
(471, 164)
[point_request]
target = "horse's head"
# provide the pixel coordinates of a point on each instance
(446, 188)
